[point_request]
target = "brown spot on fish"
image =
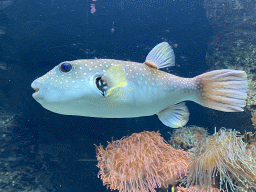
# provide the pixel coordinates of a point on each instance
(150, 65)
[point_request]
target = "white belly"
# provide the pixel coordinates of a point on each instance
(138, 102)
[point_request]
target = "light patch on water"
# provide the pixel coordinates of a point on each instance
(4, 67)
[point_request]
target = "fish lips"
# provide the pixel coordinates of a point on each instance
(37, 94)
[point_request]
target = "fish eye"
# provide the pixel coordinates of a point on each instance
(101, 85)
(65, 67)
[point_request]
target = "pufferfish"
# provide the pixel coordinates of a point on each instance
(108, 88)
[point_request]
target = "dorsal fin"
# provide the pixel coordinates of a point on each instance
(161, 56)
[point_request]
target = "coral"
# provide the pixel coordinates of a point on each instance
(197, 188)
(21, 178)
(140, 162)
(250, 139)
(224, 155)
(7, 120)
(254, 119)
(187, 137)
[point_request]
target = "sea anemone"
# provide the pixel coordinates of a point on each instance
(223, 155)
(197, 188)
(140, 162)
(187, 137)
(253, 119)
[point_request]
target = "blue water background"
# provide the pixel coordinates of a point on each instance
(44, 33)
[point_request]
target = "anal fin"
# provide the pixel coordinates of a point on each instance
(175, 116)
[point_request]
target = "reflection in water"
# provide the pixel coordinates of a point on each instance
(3, 66)
(93, 9)
(2, 30)
(5, 3)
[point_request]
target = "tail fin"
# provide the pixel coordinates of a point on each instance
(223, 90)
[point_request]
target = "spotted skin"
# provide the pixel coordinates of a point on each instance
(122, 89)
(149, 90)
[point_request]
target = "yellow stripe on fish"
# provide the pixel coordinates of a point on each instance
(115, 77)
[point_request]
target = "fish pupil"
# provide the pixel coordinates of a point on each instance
(101, 85)
(65, 67)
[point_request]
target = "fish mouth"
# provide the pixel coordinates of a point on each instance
(36, 88)
(36, 93)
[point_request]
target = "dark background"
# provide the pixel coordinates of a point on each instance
(41, 34)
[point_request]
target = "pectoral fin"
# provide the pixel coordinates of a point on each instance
(115, 78)
(175, 116)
